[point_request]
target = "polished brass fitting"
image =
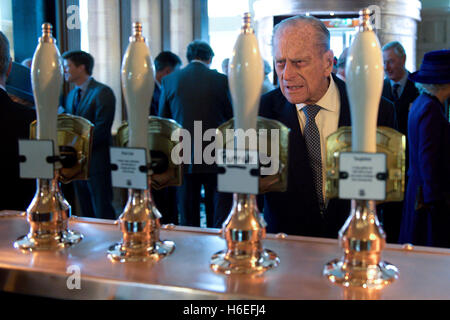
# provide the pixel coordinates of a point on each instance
(244, 231)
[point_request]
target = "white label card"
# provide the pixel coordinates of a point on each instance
(126, 163)
(35, 164)
(238, 165)
(362, 176)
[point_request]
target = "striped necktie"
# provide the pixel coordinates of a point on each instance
(312, 139)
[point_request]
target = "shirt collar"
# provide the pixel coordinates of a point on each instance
(402, 81)
(85, 84)
(327, 102)
(202, 62)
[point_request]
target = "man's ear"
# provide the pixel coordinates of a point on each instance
(9, 68)
(328, 58)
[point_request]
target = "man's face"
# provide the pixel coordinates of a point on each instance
(394, 66)
(301, 65)
(72, 73)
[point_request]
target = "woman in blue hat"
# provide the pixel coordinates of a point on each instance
(426, 213)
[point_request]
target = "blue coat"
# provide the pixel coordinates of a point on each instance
(426, 213)
(98, 106)
(297, 211)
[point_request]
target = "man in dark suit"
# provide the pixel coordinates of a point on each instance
(313, 104)
(15, 193)
(165, 199)
(95, 102)
(165, 63)
(197, 94)
(397, 87)
(402, 92)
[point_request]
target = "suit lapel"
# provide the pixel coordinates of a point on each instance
(344, 110)
(85, 100)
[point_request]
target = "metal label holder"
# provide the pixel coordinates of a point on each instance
(238, 171)
(37, 159)
(362, 176)
(129, 168)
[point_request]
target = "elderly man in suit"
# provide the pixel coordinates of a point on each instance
(197, 94)
(16, 193)
(402, 92)
(94, 101)
(397, 87)
(313, 103)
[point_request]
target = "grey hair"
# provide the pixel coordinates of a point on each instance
(4, 54)
(323, 34)
(431, 89)
(397, 47)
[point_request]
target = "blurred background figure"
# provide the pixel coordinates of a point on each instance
(225, 63)
(18, 85)
(402, 92)
(340, 65)
(426, 214)
(397, 87)
(16, 193)
(165, 63)
(95, 102)
(165, 199)
(197, 94)
(267, 84)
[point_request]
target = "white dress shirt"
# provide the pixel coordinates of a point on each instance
(327, 120)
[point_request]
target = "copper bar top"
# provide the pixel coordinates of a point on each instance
(424, 272)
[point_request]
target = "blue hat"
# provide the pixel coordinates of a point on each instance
(19, 82)
(435, 68)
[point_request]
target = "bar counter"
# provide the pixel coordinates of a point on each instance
(424, 272)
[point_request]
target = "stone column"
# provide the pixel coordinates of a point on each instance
(148, 12)
(181, 26)
(102, 41)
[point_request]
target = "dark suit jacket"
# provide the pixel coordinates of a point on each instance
(402, 105)
(426, 215)
(296, 211)
(155, 100)
(15, 193)
(98, 106)
(196, 93)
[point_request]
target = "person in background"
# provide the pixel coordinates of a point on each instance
(402, 92)
(225, 64)
(95, 102)
(340, 65)
(397, 87)
(16, 193)
(313, 103)
(426, 213)
(165, 199)
(201, 95)
(267, 84)
(165, 63)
